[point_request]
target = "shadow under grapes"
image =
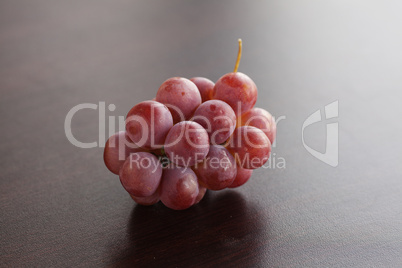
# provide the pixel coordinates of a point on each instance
(221, 230)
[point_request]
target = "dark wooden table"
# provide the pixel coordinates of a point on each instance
(60, 206)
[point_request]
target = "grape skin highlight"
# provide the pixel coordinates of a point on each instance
(148, 200)
(218, 170)
(259, 118)
(238, 90)
(181, 96)
(201, 193)
(179, 187)
(250, 147)
(218, 118)
(148, 123)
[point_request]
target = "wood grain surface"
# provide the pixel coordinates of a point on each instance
(60, 206)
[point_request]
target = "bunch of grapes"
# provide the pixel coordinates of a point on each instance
(195, 135)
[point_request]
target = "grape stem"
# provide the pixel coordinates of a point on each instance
(238, 57)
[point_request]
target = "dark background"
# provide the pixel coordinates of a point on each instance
(60, 206)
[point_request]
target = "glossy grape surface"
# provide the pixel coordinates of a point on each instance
(141, 174)
(250, 147)
(218, 118)
(148, 200)
(179, 187)
(181, 96)
(117, 148)
(148, 123)
(201, 193)
(218, 170)
(205, 86)
(259, 118)
(242, 176)
(187, 143)
(238, 90)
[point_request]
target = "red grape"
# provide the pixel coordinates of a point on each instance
(259, 118)
(250, 147)
(201, 193)
(148, 123)
(181, 96)
(187, 143)
(218, 118)
(205, 86)
(193, 136)
(179, 187)
(141, 174)
(148, 200)
(117, 148)
(243, 175)
(218, 169)
(238, 90)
